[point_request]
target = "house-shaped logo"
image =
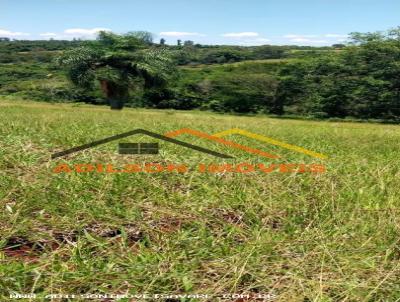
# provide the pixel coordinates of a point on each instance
(153, 148)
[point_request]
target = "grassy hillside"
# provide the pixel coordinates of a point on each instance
(303, 237)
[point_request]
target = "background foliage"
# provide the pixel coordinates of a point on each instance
(358, 80)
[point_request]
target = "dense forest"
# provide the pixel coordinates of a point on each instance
(359, 80)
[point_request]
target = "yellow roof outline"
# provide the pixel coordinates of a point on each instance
(270, 140)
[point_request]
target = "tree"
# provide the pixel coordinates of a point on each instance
(118, 63)
(242, 92)
(188, 43)
(361, 81)
(338, 46)
(162, 41)
(362, 38)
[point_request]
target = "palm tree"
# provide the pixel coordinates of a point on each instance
(118, 63)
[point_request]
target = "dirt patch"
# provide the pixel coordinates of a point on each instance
(22, 248)
(133, 233)
(168, 224)
(30, 250)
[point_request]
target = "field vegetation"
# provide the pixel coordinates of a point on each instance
(358, 80)
(326, 236)
(329, 236)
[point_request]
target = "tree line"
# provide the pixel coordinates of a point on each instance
(359, 80)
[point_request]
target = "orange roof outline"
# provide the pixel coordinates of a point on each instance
(221, 141)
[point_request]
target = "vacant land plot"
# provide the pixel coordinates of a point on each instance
(300, 236)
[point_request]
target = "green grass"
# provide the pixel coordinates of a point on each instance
(303, 237)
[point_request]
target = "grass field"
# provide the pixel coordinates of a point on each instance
(330, 236)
